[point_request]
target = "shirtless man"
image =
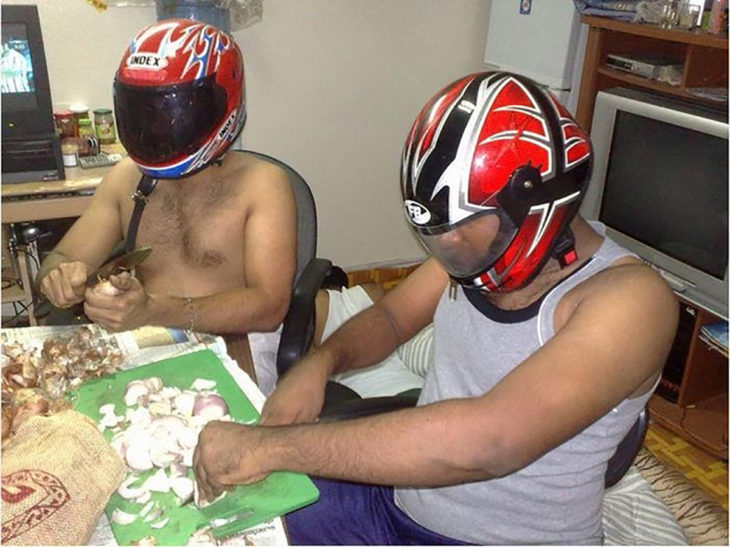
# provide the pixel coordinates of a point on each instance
(222, 229)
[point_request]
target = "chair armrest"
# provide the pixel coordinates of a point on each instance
(298, 328)
(357, 408)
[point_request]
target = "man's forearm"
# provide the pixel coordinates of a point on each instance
(426, 446)
(239, 310)
(365, 339)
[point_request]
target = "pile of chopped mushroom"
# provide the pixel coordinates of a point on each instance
(158, 431)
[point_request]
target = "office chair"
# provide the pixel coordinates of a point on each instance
(312, 273)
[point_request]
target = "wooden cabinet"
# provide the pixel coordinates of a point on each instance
(696, 370)
(692, 396)
(704, 56)
(691, 399)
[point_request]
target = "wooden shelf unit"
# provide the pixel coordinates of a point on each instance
(695, 380)
(705, 59)
(698, 384)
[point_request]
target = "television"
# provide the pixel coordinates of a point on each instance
(31, 149)
(660, 185)
(26, 94)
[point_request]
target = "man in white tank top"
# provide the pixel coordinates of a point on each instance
(549, 339)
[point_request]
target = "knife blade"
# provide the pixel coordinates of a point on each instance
(124, 263)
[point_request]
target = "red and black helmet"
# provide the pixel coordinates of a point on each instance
(179, 97)
(493, 171)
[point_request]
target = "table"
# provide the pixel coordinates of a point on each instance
(45, 200)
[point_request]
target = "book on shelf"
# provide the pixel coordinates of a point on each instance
(716, 334)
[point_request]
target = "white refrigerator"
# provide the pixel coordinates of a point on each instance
(541, 39)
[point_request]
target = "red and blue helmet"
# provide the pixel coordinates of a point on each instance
(493, 171)
(179, 97)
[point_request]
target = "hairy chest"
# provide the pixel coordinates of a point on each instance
(198, 227)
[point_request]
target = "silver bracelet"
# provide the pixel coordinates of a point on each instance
(191, 313)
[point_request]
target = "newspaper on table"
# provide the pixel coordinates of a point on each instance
(147, 345)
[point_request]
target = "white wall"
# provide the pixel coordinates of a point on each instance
(332, 88)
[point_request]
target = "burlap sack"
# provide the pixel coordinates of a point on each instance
(57, 475)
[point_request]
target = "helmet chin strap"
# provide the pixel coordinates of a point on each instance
(145, 187)
(564, 248)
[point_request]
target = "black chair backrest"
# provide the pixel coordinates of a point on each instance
(306, 213)
(627, 449)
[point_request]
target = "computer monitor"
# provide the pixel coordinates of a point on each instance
(26, 96)
(31, 150)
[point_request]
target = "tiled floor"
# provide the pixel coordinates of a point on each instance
(705, 471)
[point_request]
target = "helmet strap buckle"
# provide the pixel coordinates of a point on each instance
(564, 249)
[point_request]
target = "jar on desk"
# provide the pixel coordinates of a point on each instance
(88, 142)
(66, 123)
(80, 111)
(104, 126)
(69, 152)
(85, 128)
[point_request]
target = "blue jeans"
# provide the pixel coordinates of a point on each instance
(357, 514)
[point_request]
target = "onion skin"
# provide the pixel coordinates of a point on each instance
(210, 407)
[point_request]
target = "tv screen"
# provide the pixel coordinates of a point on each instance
(660, 185)
(24, 85)
(674, 202)
(16, 64)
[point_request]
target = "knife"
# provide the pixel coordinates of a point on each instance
(124, 263)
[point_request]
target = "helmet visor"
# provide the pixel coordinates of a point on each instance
(159, 125)
(473, 245)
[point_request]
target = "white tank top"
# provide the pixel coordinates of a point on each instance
(557, 498)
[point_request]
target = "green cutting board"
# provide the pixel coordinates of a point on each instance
(246, 506)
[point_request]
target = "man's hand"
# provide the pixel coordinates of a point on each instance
(123, 311)
(299, 395)
(227, 455)
(64, 286)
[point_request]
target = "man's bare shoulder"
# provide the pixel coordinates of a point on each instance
(252, 172)
(120, 181)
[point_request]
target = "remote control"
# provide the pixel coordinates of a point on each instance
(100, 160)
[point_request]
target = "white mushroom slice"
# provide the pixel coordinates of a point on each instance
(188, 438)
(146, 508)
(154, 515)
(201, 384)
(157, 482)
(161, 457)
(138, 416)
(187, 458)
(170, 392)
(136, 389)
(144, 498)
(160, 524)
(183, 403)
(154, 384)
(183, 487)
(121, 517)
(138, 455)
(107, 409)
(127, 491)
(160, 408)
